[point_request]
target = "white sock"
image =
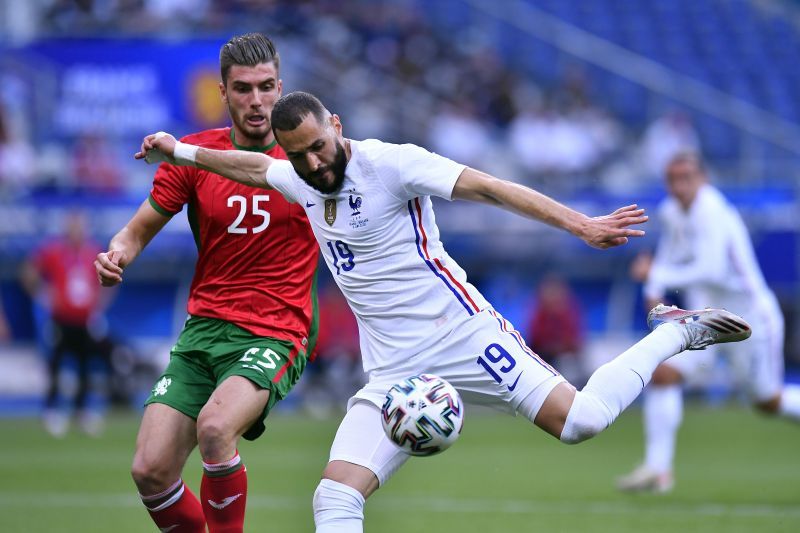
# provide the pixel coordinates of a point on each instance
(790, 402)
(338, 508)
(617, 383)
(663, 413)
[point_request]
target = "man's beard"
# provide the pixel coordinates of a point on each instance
(337, 167)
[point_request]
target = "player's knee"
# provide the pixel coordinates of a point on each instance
(360, 478)
(149, 476)
(214, 436)
(581, 431)
(586, 418)
(665, 375)
(336, 506)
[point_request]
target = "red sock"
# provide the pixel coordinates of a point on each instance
(176, 510)
(224, 494)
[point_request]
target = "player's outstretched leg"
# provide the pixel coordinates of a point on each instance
(616, 384)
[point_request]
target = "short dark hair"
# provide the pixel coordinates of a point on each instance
(688, 155)
(290, 110)
(248, 50)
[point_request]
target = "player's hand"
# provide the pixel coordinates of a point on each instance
(650, 303)
(108, 266)
(157, 147)
(612, 230)
(640, 268)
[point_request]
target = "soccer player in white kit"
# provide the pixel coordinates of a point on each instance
(705, 252)
(369, 206)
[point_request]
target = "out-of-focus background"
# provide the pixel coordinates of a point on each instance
(583, 100)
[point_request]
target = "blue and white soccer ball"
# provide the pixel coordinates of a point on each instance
(423, 415)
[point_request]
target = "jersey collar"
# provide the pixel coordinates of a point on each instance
(238, 146)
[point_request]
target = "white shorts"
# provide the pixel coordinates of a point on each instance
(757, 363)
(485, 359)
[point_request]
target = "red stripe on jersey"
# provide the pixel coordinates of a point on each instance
(438, 263)
(505, 326)
(421, 228)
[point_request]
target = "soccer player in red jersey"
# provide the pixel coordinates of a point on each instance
(252, 308)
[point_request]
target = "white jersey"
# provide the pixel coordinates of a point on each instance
(707, 252)
(379, 238)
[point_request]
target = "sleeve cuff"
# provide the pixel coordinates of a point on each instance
(158, 208)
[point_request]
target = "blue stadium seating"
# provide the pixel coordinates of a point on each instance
(733, 46)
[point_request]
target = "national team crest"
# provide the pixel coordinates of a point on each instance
(355, 205)
(330, 211)
(357, 219)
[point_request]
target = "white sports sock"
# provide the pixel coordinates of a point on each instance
(663, 413)
(617, 383)
(338, 508)
(790, 402)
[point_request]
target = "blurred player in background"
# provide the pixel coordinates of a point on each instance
(252, 308)
(370, 207)
(60, 276)
(705, 252)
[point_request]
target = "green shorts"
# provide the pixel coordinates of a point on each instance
(210, 350)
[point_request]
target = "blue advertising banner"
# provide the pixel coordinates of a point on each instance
(115, 87)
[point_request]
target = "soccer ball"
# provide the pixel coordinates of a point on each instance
(423, 415)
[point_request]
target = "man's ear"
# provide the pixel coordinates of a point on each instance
(223, 93)
(336, 123)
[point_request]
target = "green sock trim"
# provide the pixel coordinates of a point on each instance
(224, 472)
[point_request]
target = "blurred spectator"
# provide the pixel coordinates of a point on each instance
(178, 11)
(68, 15)
(665, 137)
(5, 329)
(17, 164)
(61, 277)
(529, 139)
(458, 133)
(95, 165)
(556, 329)
(547, 140)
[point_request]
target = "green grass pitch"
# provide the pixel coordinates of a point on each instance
(736, 472)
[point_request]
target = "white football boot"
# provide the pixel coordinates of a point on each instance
(56, 423)
(701, 328)
(645, 479)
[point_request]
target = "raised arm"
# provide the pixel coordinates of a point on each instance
(599, 232)
(249, 168)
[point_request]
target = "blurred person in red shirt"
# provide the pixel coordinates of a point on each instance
(61, 276)
(555, 331)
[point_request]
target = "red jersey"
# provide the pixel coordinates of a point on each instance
(257, 256)
(72, 280)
